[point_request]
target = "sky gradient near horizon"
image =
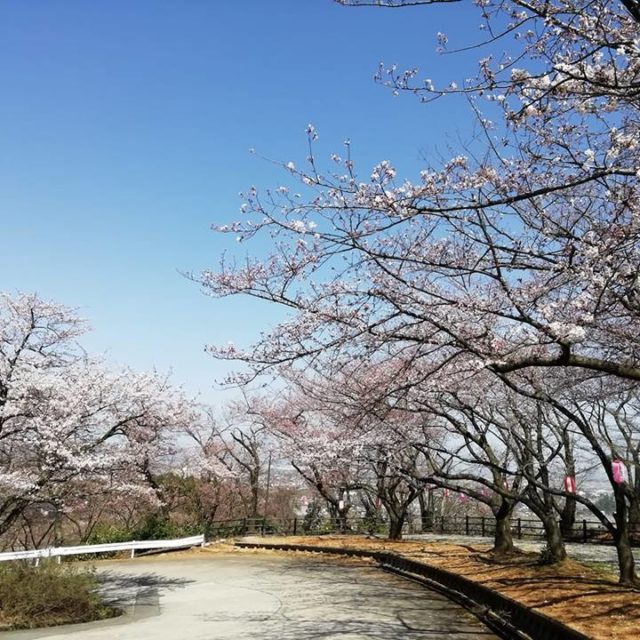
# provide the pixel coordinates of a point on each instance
(125, 130)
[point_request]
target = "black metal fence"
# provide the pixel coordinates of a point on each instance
(585, 531)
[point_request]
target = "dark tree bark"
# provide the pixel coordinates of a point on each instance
(568, 518)
(503, 538)
(556, 550)
(396, 523)
(622, 539)
(425, 500)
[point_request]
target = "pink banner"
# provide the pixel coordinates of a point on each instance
(570, 484)
(619, 471)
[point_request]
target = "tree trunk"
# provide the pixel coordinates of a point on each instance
(207, 518)
(634, 515)
(396, 523)
(255, 495)
(568, 518)
(626, 563)
(503, 539)
(555, 551)
(425, 500)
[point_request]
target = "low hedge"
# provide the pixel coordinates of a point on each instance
(48, 595)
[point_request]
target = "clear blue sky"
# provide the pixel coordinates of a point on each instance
(124, 134)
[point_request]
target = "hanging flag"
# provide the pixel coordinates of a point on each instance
(619, 471)
(569, 484)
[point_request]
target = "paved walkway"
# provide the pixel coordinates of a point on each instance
(267, 597)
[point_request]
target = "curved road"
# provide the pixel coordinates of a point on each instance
(265, 596)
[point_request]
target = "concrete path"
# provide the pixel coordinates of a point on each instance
(266, 596)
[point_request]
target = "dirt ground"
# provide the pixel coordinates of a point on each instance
(586, 598)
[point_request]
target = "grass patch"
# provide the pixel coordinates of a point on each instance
(48, 595)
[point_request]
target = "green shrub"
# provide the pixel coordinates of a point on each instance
(153, 527)
(104, 534)
(48, 595)
(156, 527)
(372, 523)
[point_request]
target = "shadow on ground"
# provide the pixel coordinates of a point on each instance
(122, 590)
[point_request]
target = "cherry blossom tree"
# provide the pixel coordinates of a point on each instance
(67, 420)
(618, 422)
(577, 401)
(324, 454)
(532, 418)
(81, 511)
(512, 440)
(519, 253)
(233, 449)
(346, 441)
(473, 461)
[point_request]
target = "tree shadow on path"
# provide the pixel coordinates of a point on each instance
(122, 590)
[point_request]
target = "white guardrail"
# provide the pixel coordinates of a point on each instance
(133, 546)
